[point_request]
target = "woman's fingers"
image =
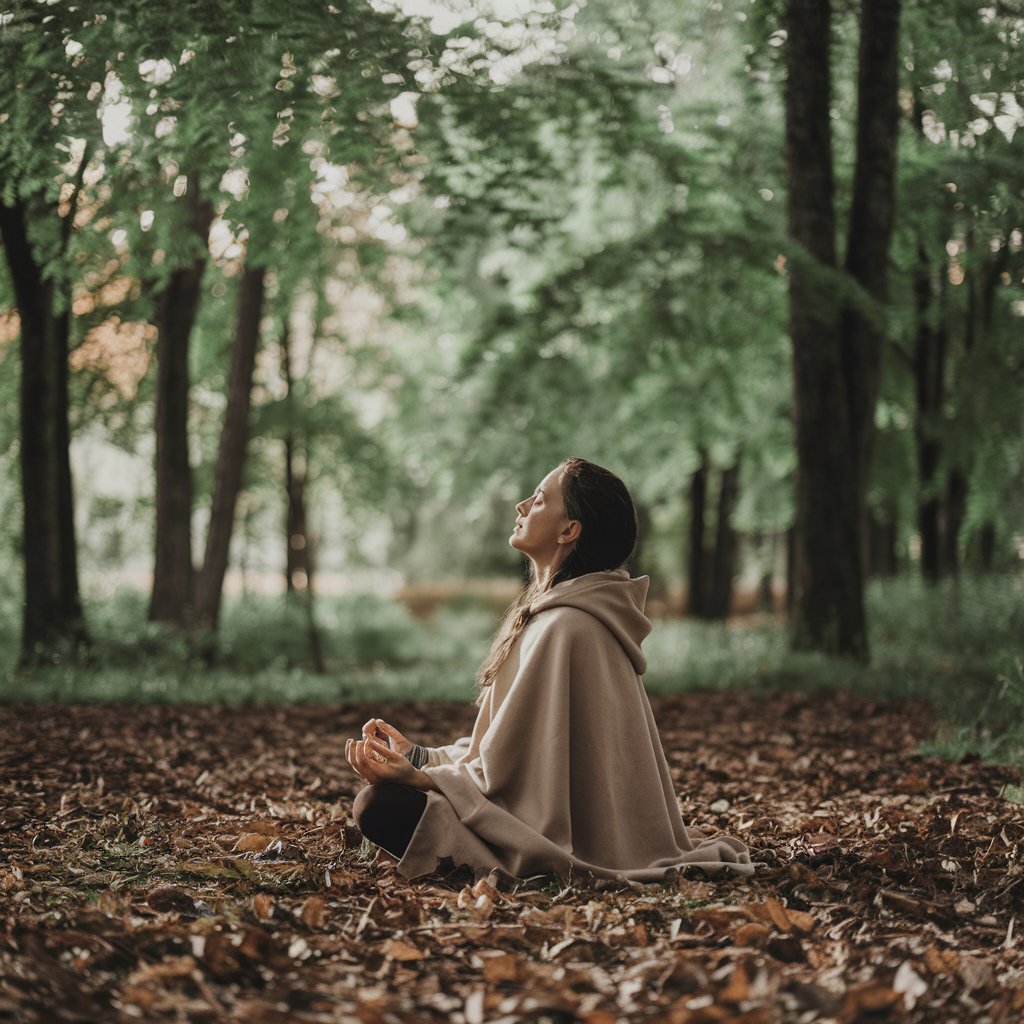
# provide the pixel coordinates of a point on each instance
(378, 751)
(373, 760)
(362, 764)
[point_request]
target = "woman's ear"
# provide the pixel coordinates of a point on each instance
(571, 533)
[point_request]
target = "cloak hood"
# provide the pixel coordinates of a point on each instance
(614, 599)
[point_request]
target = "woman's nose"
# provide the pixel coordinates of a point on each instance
(522, 507)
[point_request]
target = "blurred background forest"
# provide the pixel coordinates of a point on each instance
(298, 301)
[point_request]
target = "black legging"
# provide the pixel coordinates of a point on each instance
(387, 813)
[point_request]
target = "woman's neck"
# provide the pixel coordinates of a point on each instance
(544, 572)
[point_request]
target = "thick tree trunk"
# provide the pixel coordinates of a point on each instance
(863, 333)
(723, 560)
(836, 355)
(929, 373)
(696, 575)
(234, 437)
(177, 305)
(828, 613)
(52, 620)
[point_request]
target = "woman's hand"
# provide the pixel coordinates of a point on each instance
(376, 762)
(381, 730)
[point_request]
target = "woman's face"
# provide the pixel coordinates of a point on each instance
(543, 532)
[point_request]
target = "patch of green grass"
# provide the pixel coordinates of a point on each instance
(373, 648)
(958, 645)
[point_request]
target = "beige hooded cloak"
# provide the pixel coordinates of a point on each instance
(564, 771)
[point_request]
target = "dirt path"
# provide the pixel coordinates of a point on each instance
(134, 883)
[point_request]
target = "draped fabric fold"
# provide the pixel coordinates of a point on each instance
(564, 771)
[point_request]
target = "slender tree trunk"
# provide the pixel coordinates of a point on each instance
(642, 559)
(177, 306)
(299, 560)
(828, 614)
(929, 374)
(52, 620)
(987, 546)
(723, 561)
(882, 531)
(234, 437)
(696, 587)
(955, 512)
(766, 584)
(298, 565)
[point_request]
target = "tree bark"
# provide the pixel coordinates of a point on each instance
(987, 546)
(929, 373)
(828, 613)
(955, 512)
(298, 563)
(177, 306)
(723, 559)
(863, 333)
(882, 559)
(696, 588)
(234, 437)
(836, 352)
(52, 620)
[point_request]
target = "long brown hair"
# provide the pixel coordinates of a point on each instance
(602, 504)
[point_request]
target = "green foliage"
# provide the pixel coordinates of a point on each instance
(574, 247)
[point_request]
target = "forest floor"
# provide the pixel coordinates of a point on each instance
(170, 863)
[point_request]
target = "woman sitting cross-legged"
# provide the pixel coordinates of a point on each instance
(564, 770)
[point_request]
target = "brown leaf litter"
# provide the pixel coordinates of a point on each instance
(171, 863)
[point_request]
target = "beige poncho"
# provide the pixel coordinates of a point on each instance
(565, 772)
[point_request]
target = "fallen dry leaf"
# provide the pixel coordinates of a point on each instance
(253, 895)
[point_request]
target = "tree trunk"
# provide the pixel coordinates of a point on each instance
(642, 559)
(863, 333)
(882, 532)
(828, 614)
(792, 571)
(52, 620)
(234, 436)
(298, 564)
(987, 546)
(929, 374)
(955, 512)
(836, 354)
(298, 546)
(723, 561)
(177, 306)
(696, 589)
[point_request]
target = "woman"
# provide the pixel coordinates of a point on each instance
(564, 770)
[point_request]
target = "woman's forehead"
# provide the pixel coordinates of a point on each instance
(550, 483)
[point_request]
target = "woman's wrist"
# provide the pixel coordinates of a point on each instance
(424, 781)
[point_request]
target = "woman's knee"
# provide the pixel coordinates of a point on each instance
(387, 813)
